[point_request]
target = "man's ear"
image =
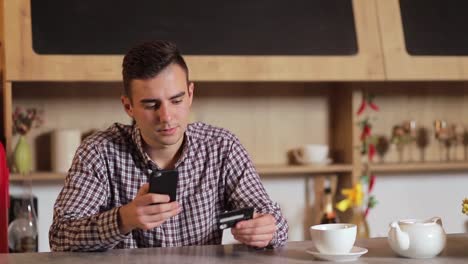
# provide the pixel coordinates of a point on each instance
(190, 89)
(127, 104)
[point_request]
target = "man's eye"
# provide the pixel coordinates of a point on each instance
(177, 101)
(151, 106)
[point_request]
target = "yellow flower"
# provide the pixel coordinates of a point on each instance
(354, 197)
(465, 206)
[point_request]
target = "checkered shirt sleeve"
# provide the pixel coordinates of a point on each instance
(245, 189)
(83, 219)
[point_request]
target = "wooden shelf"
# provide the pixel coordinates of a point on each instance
(291, 170)
(302, 169)
(39, 176)
(420, 167)
(264, 170)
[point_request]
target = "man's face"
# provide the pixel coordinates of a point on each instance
(160, 107)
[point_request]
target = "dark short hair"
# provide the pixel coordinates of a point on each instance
(146, 60)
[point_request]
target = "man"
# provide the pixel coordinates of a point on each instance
(106, 203)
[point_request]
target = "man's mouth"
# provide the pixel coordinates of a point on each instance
(167, 131)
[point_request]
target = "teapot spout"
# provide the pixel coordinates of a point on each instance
(400, 238)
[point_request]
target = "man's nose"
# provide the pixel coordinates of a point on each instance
(164, 113)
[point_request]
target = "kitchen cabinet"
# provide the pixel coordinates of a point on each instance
(432, 46)
(25, 64)
(376, 22)
(379, 35)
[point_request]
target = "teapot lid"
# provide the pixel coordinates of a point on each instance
(430, 221)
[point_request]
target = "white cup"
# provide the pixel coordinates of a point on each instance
(333, 238)
(312, 153)
(64, 143)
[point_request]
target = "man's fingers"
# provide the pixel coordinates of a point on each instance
(256, 232)
(144, 189)
(258, 221)
(254, 238)
(255, 241)
(160, 217)
(147, 211)
(268, 229)
(158, 208)
(151, 198)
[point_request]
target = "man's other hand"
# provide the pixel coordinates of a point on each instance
(256, 232)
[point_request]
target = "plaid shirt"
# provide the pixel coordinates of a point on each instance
(215, 174)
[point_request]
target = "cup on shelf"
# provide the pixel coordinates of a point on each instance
(333, 238)
(312, 154)
(64, 143)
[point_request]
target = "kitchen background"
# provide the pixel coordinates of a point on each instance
(271, 119)
(274, 103)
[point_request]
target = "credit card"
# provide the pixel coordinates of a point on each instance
(231, 218)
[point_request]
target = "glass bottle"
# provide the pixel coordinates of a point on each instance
(329, 215)
(361, 223)
(22, 232)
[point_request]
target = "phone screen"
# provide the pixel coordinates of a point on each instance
(164, 182)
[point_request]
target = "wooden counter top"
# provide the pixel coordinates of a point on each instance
(455, 252)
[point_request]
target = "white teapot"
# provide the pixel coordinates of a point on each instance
(417, 238)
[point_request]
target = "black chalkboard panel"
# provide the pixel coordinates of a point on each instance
(203, 27)
(435, 27)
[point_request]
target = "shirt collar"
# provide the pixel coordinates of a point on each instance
(136, 136)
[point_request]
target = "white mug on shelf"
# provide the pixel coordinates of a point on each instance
(312, 154)
(64, 143)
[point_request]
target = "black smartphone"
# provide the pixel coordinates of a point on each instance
(164, 182)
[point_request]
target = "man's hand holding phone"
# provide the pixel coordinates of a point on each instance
(146, 211)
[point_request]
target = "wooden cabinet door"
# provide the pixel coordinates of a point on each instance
(435, 59)
(24, 64)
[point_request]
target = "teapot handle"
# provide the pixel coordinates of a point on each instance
(437, 220)
(298, 156)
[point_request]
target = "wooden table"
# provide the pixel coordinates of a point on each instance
(456, 251)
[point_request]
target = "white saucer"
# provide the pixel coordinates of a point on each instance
(355, 253)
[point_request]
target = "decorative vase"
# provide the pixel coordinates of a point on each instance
(22, 156)
(361, 223)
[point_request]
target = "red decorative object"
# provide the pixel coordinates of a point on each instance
(371, 183)
(366, 130)
(367, 100)
(367, 148)
(371, 151)
(4, 201)
(362, 107)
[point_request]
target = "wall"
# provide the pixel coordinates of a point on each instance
(421, 196)
(269, 118)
